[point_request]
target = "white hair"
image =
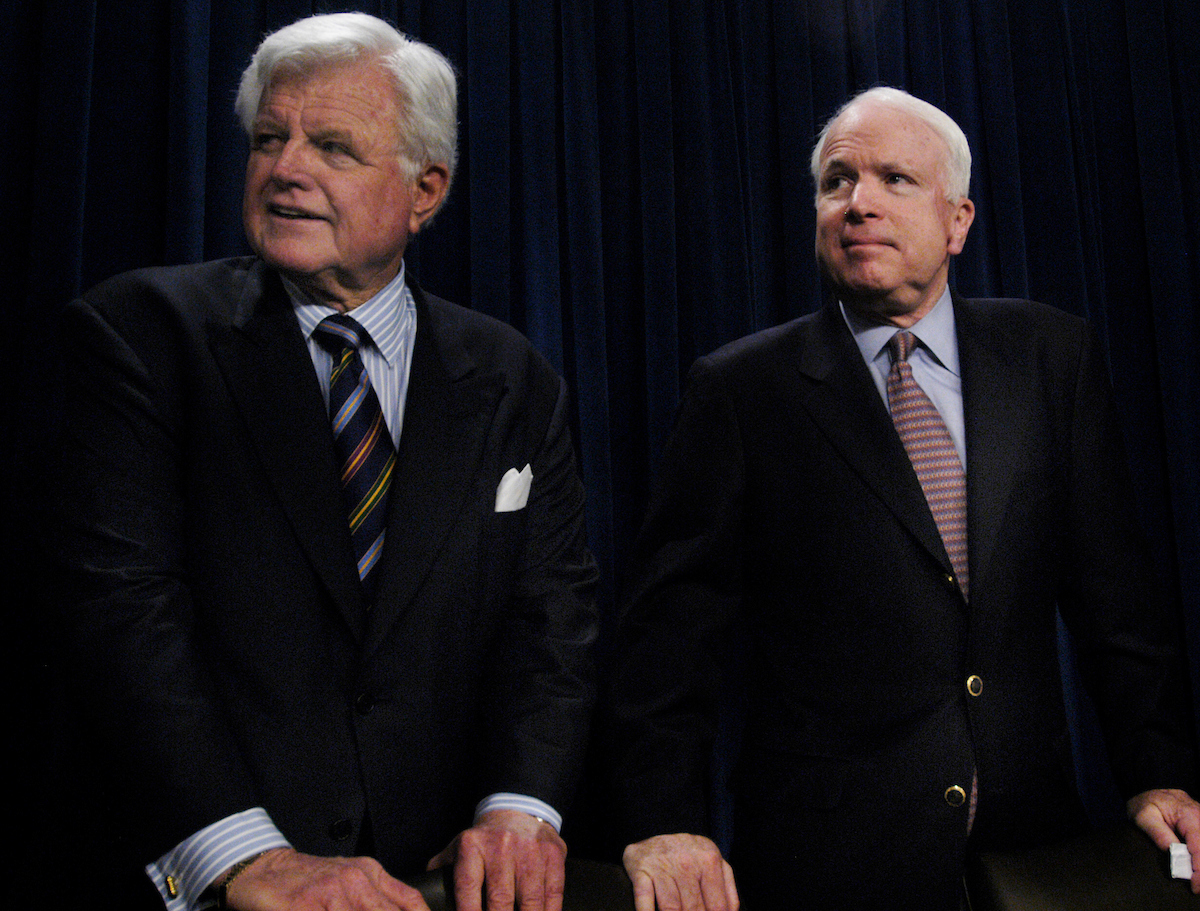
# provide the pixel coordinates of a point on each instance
(426, 88)
(957, 164)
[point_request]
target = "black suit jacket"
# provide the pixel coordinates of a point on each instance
(210, 593)
(786, 505)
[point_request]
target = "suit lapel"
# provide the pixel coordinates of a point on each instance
(270, 377)
(844, 402)
(450, 406)
(993, 415)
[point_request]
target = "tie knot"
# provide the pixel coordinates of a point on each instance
(902, 344)
(338, 332)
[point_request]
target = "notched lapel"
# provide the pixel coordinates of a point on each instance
(272, 383)
(448, 414)
(993, 418)
(844, 402)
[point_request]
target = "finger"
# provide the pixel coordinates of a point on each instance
(1150, 820)
(556, 882)
(692, 887)
(643, 891)
(400, 893)
(469, 880)
(714, 886)
(530, 885)
(1160, 833)
(669, 896)
(407, 898)
(731, 893)
(500, 878)
(1189, 830)
(447, 856)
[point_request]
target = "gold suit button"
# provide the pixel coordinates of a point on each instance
(955, 796)
(975, 685)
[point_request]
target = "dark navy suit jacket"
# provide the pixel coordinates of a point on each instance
(211, 596)
(786, 506)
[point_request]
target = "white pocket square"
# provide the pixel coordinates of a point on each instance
(513, 492)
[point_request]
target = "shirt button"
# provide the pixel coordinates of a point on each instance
(955, 796)
(975, 685)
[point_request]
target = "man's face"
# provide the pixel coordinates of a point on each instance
(885, 231)
(327, 200)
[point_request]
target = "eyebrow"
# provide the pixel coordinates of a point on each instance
(836, 163)
(339, 134)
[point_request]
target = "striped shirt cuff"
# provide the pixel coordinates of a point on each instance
(530, 805)
(182, 874)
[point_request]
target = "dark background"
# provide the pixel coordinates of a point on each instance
(634, 192)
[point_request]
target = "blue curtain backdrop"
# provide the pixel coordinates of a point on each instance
(634, 193)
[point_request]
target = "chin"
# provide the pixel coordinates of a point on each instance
(865, 289)
(289, 260)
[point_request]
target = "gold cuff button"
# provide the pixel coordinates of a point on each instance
(956, 796)
(975, 685)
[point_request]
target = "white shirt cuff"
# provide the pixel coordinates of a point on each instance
(530, 805)
(182, 874)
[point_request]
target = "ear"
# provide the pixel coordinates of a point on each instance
(961, 216)
(429, 192)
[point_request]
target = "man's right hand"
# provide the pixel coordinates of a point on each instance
(680, 873)
(286, 880)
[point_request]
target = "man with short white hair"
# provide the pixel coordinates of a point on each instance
(321, 533)
(891, 498)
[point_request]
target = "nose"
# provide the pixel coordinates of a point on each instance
(863, 201)
(290, 166)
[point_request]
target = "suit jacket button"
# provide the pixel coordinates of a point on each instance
(955, 796)
(975, 685)
(341, 830)
(364, 703)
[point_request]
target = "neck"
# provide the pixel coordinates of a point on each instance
(887, 311)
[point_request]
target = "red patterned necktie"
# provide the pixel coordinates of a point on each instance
(939, 469)
(361, 438)
(932, 453)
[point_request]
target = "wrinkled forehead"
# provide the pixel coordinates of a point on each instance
(353, 100)
(362, 85)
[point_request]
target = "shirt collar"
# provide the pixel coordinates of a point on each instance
(387, 316)
(936, 330)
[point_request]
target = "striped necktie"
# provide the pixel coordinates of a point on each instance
(932, 453)
(361, 438)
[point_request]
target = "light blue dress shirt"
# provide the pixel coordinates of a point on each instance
(934, 362)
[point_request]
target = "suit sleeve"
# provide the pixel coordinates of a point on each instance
(673, 632)
(122, 586)
(542, 686)
(1128, 641)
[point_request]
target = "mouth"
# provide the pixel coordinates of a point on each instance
(849, 243)
(291, 214)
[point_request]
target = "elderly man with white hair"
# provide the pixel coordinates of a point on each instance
(321, 536)
(891, 498)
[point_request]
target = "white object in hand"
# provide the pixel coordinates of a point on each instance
(1181, 862)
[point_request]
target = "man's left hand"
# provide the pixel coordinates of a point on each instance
(513, 859)
(1169, 816)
